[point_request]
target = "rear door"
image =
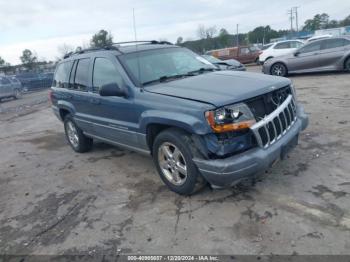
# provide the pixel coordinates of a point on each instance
(332, 51)
(306, 59)
(79, 85)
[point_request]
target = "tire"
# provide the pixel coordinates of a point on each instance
(173, 159)
(18, 94)
(75, 137)
(347, 65)
(279, 69)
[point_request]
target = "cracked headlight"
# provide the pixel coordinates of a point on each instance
(230, 118)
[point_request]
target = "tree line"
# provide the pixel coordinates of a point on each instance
(209, 38)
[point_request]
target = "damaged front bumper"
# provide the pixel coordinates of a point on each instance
(229, 171)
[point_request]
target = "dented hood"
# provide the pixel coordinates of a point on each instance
(221, 87)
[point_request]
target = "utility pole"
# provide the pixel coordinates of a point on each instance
(237, 35)
(290, 12)
(296, 17)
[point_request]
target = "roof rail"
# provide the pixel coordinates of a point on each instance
(152, 42)
(91, 49)
(114, 46)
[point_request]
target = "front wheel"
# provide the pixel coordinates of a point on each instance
(278, 69)
(77, 140)
(347, 65)
(173, 159)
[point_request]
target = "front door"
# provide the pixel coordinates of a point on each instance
(307, 58)
(115, 118)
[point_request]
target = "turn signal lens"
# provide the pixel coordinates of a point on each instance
(220, 128)
(230, 118)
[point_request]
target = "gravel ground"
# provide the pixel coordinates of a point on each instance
(54, 201)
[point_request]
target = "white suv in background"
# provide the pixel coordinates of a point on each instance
(279, 49)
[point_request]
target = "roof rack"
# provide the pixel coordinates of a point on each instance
(91, 49)
(152, 42)
(114, 46)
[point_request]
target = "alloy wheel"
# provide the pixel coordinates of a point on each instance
(172, 163)
(278, 70)
(72, 134)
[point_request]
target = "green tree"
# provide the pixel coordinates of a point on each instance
(2, 61)
(28, 59)
(345, 22)
(179, 40)
(101, 38)
(320, 21)
(224, 37)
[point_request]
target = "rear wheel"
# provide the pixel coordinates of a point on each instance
(347, 64)
(77, 140)
(278, 69)
(173, 159)
(18, 94)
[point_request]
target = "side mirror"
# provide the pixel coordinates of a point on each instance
(112, 89)
(296, 53)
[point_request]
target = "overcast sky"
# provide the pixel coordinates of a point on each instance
(43, 25)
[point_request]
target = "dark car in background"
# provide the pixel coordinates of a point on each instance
(230, 64)
(34, 81)
(10, 87)
(243, 54)
(329, 54)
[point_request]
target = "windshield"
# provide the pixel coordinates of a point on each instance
(160, 63)
(266, 46)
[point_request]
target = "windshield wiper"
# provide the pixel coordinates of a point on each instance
(166, 78)
(202, 70)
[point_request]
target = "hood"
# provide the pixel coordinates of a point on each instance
(220, 88)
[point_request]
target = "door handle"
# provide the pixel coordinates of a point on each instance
(316, 53)
(94, 101)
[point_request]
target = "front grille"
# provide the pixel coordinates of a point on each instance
(273, 126)
(265, 104)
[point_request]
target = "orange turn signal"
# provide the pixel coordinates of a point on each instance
(227, 127)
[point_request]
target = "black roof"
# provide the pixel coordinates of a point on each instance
(125, 47)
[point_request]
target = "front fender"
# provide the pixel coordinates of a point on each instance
(189, 123)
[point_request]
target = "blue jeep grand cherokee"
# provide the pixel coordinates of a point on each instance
(199, 124)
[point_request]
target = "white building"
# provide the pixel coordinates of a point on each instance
(334, 31)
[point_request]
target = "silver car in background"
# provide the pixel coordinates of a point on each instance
(10, 86)
(331, 54)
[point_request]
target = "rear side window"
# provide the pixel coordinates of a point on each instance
(62, 74)
(332, 43)
(295, 44)
(282, 45)
(81, 80)
(105, 73)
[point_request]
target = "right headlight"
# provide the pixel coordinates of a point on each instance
(230, 118)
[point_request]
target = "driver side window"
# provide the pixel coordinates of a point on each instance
(105, 73)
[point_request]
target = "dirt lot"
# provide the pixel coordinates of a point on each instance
(54, 201)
